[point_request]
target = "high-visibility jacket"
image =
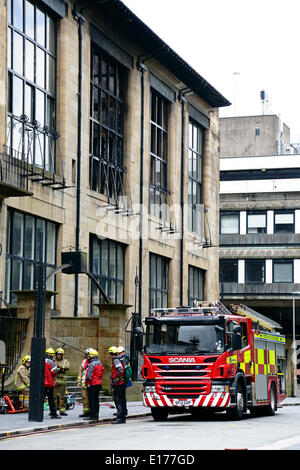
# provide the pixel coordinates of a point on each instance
(22, 379)
(94, 372)
(50, 373)
(62, 367)
(118, 370)
(82, 372)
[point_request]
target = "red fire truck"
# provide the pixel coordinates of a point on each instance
(212, 358)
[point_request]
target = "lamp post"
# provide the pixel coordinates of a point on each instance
(296, 293)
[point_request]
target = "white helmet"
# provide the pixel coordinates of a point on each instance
(121, 349)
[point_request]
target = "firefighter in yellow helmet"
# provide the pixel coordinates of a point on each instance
(81, 382)
(22, 380)
(61, 381)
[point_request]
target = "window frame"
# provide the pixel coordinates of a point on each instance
(22, 258)
(155, 289)
(288, 261)
(37, 139)
(284, 212)
(107, 279)
(192, 270)
(249, 213)
(106, 152)
(228, 213)
(158, 190)
(253, 261)
(230, 262)
(195, 154)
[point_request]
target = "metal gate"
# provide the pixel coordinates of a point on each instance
(13, 333)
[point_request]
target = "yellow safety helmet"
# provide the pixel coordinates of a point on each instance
(113, 350)
(26, 358)
(50, 352)
(93, 353)
(60, 351)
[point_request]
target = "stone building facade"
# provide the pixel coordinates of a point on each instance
(117, 132)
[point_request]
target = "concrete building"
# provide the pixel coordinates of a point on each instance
(264, 134)
(113, 140)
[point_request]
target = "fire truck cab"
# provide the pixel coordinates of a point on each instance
(212, 358)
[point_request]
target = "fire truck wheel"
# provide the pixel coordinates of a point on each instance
(272, 407)
(237, 412)
(159, 414)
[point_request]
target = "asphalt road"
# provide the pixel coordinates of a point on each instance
(181, 432)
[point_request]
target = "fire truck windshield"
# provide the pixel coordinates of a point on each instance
(164, 338)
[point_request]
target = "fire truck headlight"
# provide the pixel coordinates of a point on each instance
(219, 388)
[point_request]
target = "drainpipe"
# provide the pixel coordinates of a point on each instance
(183, 101)
(142, 69)
(80, 19)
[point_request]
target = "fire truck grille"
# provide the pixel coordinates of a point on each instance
(183, 390)
(183, 370)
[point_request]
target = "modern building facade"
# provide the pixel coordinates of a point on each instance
(260, 234)
(110, 145)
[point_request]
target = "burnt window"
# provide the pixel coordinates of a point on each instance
(195, 177)
(108, 83)
(159, 156)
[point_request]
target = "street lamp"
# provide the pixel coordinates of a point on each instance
(295, 294)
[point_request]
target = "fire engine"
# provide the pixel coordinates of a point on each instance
(212, 358)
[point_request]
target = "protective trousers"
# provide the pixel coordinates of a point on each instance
(85, 400)
(93, 393)
(60, 397)
(120, 401)
(49, 393)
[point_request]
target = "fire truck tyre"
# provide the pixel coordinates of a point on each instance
(237, 412)
(272, 407)
(159, 414)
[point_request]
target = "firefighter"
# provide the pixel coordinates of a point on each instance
(93, 380)
(49, 384)
(60, 381)
(118, 385)
(81, 382)
(22, 380)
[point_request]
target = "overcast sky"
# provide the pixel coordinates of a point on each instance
(239, 46)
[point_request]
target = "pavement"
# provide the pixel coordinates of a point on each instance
(18, 423)
(13, 424)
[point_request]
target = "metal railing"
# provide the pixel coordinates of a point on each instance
(13, 332)
(13, 169)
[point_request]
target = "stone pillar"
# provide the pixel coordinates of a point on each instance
(111, 332)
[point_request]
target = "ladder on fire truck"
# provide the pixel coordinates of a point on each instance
(258, 318)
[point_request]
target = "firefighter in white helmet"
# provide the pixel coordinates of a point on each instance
(61, 381)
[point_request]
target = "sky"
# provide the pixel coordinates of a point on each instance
(240, 47)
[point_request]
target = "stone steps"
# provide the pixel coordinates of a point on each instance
(73, 388)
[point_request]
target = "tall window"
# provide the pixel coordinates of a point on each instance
(106, 125)
(196, 284)
(159, 156)
(195, 177)
(159, 280)
(29, 240)
(31, 83)
(107, 261)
